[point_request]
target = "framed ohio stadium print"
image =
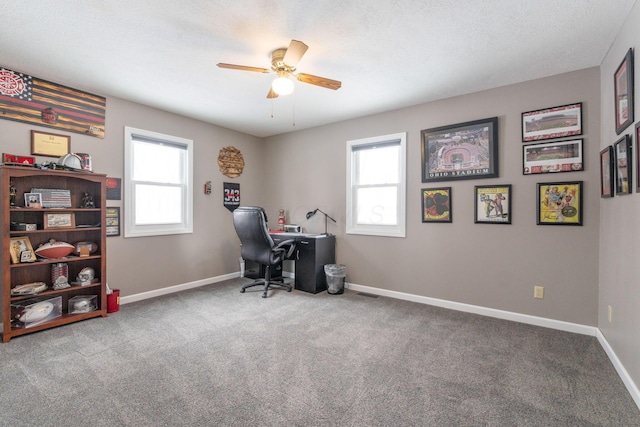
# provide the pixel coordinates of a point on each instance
(551, 123)
(462, 151)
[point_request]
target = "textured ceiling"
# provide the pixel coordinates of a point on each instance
(388, 54)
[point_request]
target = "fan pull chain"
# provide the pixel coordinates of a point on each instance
(272, 107)
(293, 111)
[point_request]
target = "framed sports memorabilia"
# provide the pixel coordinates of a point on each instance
(552, 123)
(623, 92)
(436, 204)
(492, 204)
(559, 203)
(549, 157)
(606, 173)
(461, 151)
(623, 165)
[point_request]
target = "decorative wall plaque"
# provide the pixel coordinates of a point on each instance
(231, 162)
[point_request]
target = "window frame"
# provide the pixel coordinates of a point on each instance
(352, 226)
(134, 230)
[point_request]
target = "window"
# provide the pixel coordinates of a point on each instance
(158, 184)
(376, 185)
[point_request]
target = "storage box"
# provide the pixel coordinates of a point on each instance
(35, 311)
(83, 304)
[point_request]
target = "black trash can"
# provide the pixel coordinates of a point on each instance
(335, 278)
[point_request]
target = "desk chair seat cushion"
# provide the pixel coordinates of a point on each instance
(250, 223)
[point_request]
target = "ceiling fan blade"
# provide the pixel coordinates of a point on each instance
(271, 94)
(244, 68)
(294, 53)
(319, 81)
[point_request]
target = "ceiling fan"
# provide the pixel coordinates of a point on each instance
(283, 63)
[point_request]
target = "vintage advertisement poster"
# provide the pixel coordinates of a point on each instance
(493, 204)
(436, 204)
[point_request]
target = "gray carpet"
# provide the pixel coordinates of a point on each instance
(215, 357)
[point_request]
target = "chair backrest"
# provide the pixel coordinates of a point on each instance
(250, 223)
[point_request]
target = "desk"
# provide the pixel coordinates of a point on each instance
(312, 252)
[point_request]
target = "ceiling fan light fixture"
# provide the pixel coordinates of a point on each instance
(282, 85)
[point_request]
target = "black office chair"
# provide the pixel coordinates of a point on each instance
(250, 223)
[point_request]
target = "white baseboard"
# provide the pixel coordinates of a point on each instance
(177, 288)
(484, 311)
(622, 372)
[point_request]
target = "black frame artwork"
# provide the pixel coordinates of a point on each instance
(623, 165)
(623, 93)
(461, 151)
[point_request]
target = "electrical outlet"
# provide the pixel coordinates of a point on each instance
(609, 313)
(538, 292)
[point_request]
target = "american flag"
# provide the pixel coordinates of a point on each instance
(25, 98)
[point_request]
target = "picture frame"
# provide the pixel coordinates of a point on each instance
(552, 123)
(606, 173)
(461, 151)
(559, 203)
(436, 204)
(49, 144)
(113, 221)
(33, 200)
(18, 247)
(492, 204)
(552, 157)
(623, 93)
(59, 220)
(623, 162)
(114, 188)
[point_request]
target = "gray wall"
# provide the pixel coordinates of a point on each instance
(619, 227)
(488, 265)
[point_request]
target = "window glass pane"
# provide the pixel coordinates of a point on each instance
(155, 204)
(377, 205)
(378, 165)
(156, 162)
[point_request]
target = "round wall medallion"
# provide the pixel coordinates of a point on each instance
(231, 162)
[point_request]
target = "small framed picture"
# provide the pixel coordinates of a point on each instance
(113, 221)
(623, 92)
(549, 157)
(436, 204)
(606, 170)
(21, 250)
(49, 144)
(552, 123)
(559, 203)
(493, 204)
(33, 200)
(59, 220)
(623, 164)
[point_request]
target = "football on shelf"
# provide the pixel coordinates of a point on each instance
(36, 312)
(54, 249)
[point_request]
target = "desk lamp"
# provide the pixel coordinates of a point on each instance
(326, 216)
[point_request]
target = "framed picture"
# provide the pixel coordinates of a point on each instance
(461, 151)
(623, 92)
(436, 204)
(562, 156)
(113, 221)
(59, 220)
(21, 250)
(637, 157)
(49, 144)
(623, 165)
(606, 171)
(492, 204)
(551, 123)
(559, 203)
(114, 188)
(32, 200)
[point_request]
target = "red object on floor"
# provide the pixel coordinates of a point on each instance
(113, 301)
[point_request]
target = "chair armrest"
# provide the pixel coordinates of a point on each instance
(281, 247)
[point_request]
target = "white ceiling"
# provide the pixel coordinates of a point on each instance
(388, 54)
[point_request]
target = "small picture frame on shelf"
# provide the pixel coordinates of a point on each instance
(623, 163)
(59, 220)
(33, 200)
(21, 250)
